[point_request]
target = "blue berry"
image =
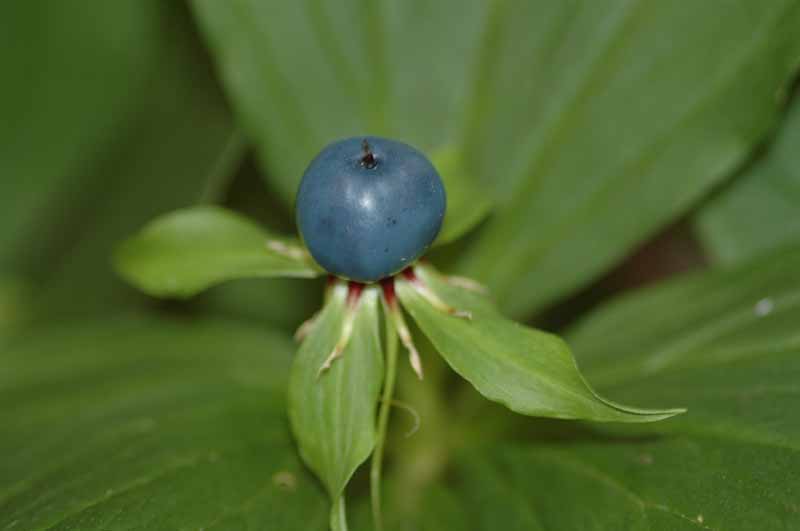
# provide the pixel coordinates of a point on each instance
(368, 207)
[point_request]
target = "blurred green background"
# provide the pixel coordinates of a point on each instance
(620, 143)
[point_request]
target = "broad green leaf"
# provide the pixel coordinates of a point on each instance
(724, 343)
(577, 119)
(704, 318)
(641, 484)
(282, 82)
(333, 413)
(467, 204)
(440, 510)
(302, 74)
(190, 250)
(493, 501)
(529, 371)
(281, 302)
(71, 75)
(134, 127)
(13, 306)
(761, 208)
(606, 133)
(331, 96)
(143, 423)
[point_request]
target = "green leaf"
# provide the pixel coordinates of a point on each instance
(56, 113)
(467, 204)
(761, 209)
(631, 484)
(187, 251)
(594, 143)
(151, 424)
(724, 343)
(529, 371)
(574, 116)
(333, 412)
(302, 74)
(14, 308)
(281, 302)
(440, 510)
(704, 318)
(157, 121)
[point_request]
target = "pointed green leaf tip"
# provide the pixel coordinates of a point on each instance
(529, 371)
(333, 413)
(187, 251)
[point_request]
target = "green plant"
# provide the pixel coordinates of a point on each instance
(332, 408)
(568, 134)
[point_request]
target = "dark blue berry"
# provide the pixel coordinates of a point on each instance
(368, 207)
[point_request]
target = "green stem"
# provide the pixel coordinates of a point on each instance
(224, 169)
(338, 515)
(383, 420)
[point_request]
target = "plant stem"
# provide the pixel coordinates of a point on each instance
(383, 420)
(224, 170)
(338, 515)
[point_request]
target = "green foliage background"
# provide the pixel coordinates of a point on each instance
(617, 141)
